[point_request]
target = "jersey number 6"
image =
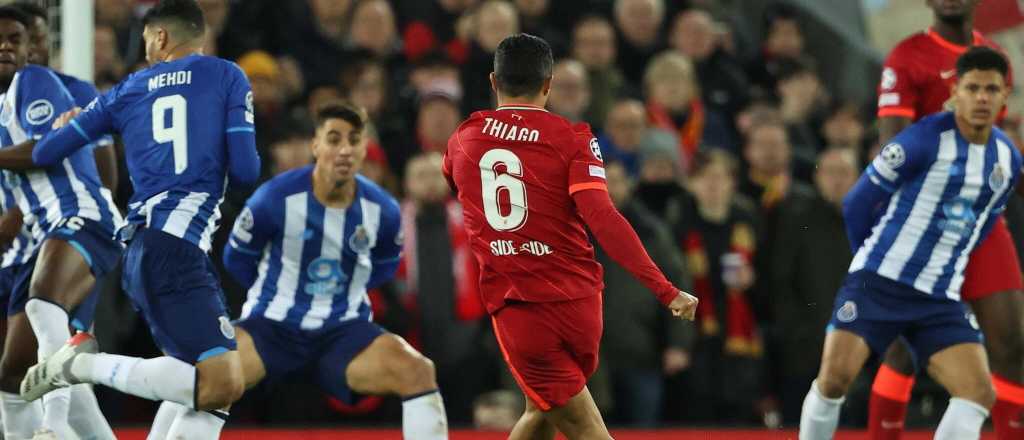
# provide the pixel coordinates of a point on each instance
(493, 184)
(177, 132)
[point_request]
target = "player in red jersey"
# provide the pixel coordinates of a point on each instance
(916, 81)
(528, 181)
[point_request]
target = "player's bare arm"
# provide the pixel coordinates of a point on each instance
(18, 157)
(889, 126)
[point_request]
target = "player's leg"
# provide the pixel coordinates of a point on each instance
(253, 368)
(579, 418)
(62, 280)
(842, 358)
(165, 417)
(551, 350)
(1001, 318)
(388, 365)
(963, 370)
(533, 425)
(85, 416)
(890, 393)
(22, 417)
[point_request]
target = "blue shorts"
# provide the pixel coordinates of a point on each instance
(7, 284)
(880, 310)
(97, 246)
(319, 354)
(174, 286)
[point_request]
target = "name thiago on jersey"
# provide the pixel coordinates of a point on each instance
(509, 132)
(181, 77)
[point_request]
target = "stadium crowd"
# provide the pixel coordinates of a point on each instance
(725, 149)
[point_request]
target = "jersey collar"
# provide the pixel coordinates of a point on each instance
(955, 48)
(521, 107)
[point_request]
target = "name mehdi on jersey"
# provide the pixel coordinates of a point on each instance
(181, 77)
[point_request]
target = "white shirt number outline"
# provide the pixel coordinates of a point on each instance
(492, 184)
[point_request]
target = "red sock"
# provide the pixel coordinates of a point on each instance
(887, 408)
(1008, 412)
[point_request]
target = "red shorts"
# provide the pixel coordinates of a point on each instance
(993, 266)
(550, 347)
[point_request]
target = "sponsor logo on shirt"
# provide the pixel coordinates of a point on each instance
(960, 218)
(39, 111)
(595, 149)
(243, 225)
(325, 277)
(359, 242)
(226, 328)
(596, 171)
(501, 248)
(947, 74)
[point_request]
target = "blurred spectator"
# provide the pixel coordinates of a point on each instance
(120, 17)
(593, 44)
(377, 169)
(674, 104)
(570, 90)
(490, 23)
(439, 274)
(801, 95)
(215, 12)
(497, 410)
(430, 26)
(642, 343)
(659, 184)
(372, 27)
(640, 25)
(626, 132)
(844, 127)
(438, 116)
(290, 152)
(720, 241)
(723, 83)
(768, 156)
(268, 97)
(364, 83)
(782, 39)
(317, 39)
(106, 58)
(807, 272)
(536, 19)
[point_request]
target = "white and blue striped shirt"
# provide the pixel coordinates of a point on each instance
(24, 245)
(71, 187)
(945, 194)
(311, 266)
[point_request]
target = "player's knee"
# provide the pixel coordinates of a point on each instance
(983, 394)
(834, 385)
(413, 373)
(219, 390)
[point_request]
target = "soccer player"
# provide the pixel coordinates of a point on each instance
(913, 218)
(916, 82)
(187, 122)
(309, 244)
(68, 211)
(526, 178)
(82, 92)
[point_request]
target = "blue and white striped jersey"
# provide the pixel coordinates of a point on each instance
(315, 264)
(83, 93)
(175, 118)
(946, 192)
(71, 187)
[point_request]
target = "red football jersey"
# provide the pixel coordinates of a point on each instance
(516, 169)
(918, 74)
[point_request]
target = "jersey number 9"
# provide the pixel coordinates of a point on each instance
(176, 132)
(493, 184)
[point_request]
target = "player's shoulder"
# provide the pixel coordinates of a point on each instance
(33, 75)
(913, 43)
(283, 185)
(373, 192)
(1001, 137)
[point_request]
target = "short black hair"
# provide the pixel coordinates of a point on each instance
(982, 58)
(12, 13)
(32, 9)
(185, 14)
(344, 111)
(521, 64)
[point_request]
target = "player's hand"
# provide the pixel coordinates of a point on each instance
(66, 117)
(684, 306)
